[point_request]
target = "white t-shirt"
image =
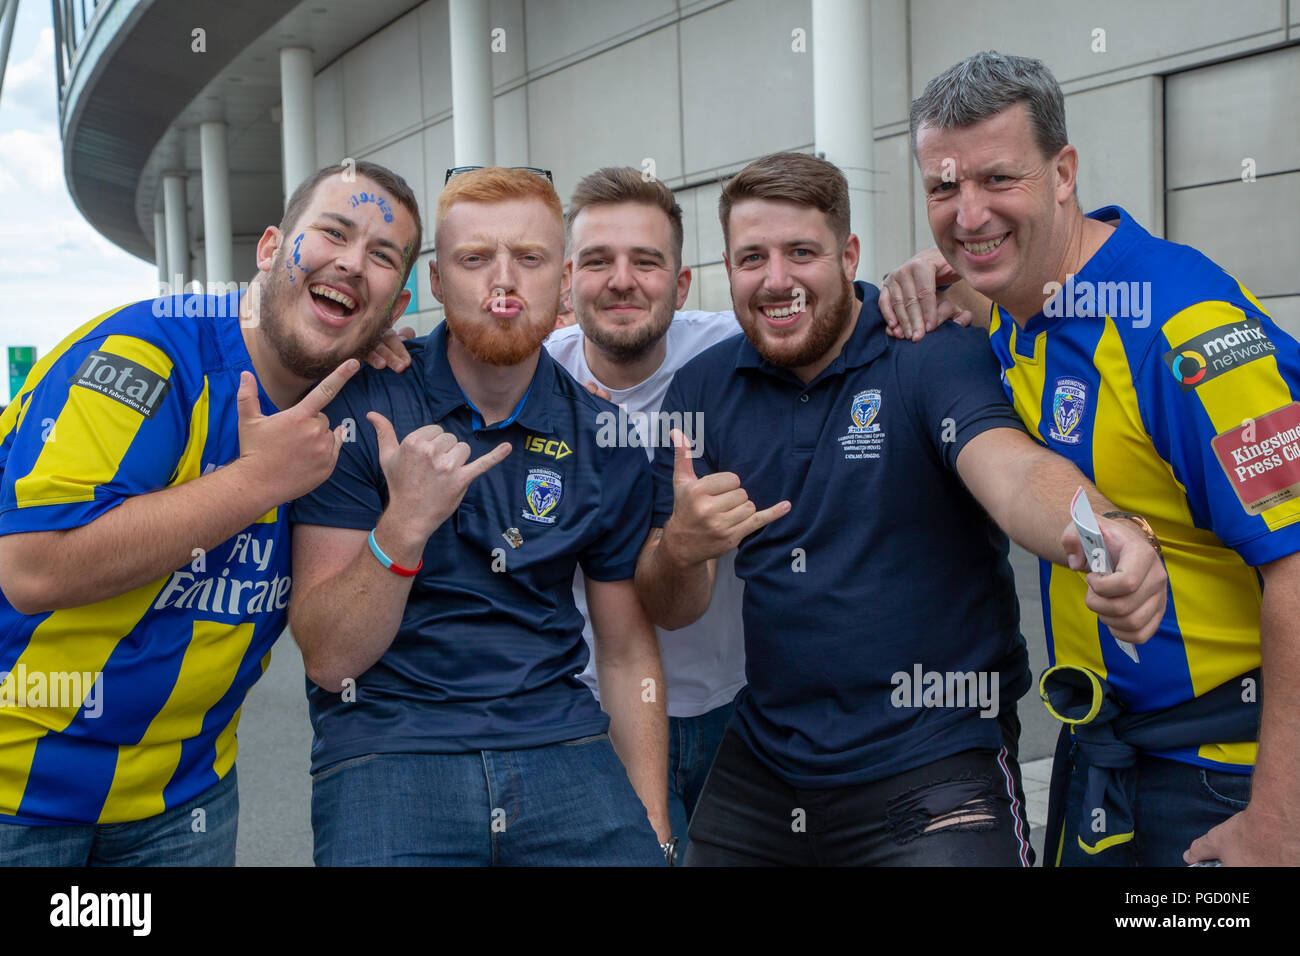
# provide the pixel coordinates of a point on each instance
(704, 664)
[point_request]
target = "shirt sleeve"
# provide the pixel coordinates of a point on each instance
(957, 392)
(628, 502)
(1217, 394)
(105, 422)
(355, 493)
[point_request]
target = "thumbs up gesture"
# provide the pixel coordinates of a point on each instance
(712, 514)
(291, 451)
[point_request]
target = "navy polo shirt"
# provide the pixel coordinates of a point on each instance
(884, 562)
(490, 642)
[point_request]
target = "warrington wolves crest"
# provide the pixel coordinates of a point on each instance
(542, 491)
(1069, 404)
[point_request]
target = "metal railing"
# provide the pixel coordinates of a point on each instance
(72, 19)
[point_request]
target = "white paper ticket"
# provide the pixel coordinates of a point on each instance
(1094, 546)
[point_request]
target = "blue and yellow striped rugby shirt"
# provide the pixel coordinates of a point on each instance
(1167, 384)
(119, 710)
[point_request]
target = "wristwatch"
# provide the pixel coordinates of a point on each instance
(1141, 522)
(670, 850)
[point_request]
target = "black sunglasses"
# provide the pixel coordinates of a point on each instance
(457, 170)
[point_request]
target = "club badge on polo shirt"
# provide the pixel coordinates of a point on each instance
(1069, 404)
(864, 437)
(542, 491)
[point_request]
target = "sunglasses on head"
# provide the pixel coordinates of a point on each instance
(457, 170)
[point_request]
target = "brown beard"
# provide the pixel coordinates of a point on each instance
(495, 342)
(276, 297)
(624, 346)
(826, 326)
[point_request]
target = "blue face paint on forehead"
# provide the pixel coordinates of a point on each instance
(379, 200)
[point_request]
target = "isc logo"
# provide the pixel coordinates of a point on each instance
(554, 447)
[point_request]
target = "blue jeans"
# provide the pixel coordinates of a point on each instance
(569, 804)
(1176, 803)
(692, 745)
(176, 837)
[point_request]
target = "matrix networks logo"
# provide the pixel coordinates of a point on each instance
(1219, 350)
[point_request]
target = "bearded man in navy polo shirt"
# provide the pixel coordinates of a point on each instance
(434, 605)
(882, 639)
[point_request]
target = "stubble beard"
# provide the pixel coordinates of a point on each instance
(276, 299)
(826, 325)
(624, 345)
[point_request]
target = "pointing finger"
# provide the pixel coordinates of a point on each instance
(766, 517)
(330, 386)
(489, 461)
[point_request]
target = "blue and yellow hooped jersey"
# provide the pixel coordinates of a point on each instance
(121, 709)
(1167, 384)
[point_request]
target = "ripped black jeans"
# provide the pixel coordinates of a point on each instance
(963, 810)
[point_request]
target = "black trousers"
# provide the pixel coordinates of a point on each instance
(963, 810)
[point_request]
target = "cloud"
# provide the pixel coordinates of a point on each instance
(30, 83)
(33, 161)
(56, 271)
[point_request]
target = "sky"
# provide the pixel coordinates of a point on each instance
(56, 271)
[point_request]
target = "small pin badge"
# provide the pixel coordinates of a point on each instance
(513, 537)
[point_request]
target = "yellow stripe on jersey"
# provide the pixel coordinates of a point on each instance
(224, 756)
(1210, 577)
(74, 639)
(1074, 636)
(225, 746)
(187, 469)
(90, 437)
(1027, 380)
(207, 671)
(13, 415)
(191, 463)
(1233, 400)
(1139, 480)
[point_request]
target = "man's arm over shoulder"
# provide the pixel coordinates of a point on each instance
(1026, 488)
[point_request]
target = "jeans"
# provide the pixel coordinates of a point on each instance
(1176, 803)
(692, 745)
(568, 803)
(963, 810)
(181, 836)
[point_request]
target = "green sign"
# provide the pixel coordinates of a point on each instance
(21, 360)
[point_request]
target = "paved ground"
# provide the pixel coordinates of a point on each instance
(275, 742)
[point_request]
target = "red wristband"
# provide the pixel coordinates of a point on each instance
(389, 563)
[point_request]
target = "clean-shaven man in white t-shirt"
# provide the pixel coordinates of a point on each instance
(627, 278)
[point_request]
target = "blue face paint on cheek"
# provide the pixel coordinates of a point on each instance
(297, 256)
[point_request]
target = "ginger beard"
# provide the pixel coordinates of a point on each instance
(277, 298)
(498, 340)
(811, 339)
